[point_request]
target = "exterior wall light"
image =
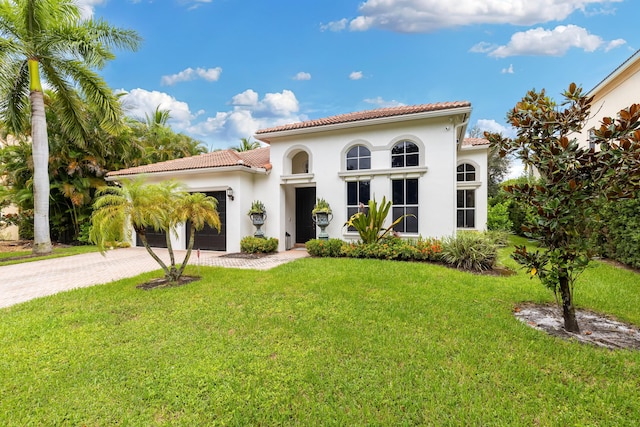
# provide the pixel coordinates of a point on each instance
(230, 193)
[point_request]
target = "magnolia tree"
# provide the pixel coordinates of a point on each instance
(159, 206)
(573, 179)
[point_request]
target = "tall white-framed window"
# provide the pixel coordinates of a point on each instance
(358, 158)
(405, 154)
(404, 197)
(465, 197)
(358, 193)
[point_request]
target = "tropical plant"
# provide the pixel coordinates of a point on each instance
(470, 250)
(246, 145)
(257, 207)
(369, 223)
(321, 206)
(573, 181)
(51, 37)
(158, 206)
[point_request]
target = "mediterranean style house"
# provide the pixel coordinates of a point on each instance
(618, 90)
(415, 156)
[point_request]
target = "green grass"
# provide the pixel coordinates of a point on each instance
(315, 342)
(57, 253)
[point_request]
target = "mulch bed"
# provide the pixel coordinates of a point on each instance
(595, 328)
(164, 283)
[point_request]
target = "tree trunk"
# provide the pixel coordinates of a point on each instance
(568, 310)
(192, 234)
(143, 238)
(40, 146)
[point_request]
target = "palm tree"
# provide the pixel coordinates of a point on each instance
(159, 206)
(49, 36)
(245, 145)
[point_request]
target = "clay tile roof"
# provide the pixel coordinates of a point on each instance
(368, 115)
(474, 141)
(258, 158)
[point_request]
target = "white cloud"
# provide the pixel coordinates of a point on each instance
(208, 74)
(140, 102)
(194, 4)
(247, 98)
(556, 42)
(86, 7)
(508, 70)
(355, 75)
(482, 47)
(335, 25)
(490, 125)
(381, 103)
(413, 16)
(221, 129)
(516, 168)
(614, 44)
(302, 76)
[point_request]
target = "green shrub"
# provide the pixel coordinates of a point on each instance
(394, 248)
(325, 248)
(619, 235)
(470, 250)
(499, 237)
(253, 245)
(498, 217)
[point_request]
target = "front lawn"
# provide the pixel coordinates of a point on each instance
(22, 256)
(315, 342)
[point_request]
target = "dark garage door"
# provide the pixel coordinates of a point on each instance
(208, 239)
(156, 239)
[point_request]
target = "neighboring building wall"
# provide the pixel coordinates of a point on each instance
(619, 90)
(10, 232)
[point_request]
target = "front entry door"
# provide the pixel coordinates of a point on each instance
(305, 228)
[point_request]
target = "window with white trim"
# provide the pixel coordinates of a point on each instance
(405, 202)
(358, 192)
(465, 197)
(466, 209)
(358, 158)
(405, 154)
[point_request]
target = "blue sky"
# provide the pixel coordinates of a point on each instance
(225, 68)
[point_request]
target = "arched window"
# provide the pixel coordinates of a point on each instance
(466, 172)
(300, 163)
(405, 154)
(358, 158)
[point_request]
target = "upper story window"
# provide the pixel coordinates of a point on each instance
(466, 172)
(358, 158)
(404, 154)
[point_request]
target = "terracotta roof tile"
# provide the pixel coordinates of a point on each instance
(367, 115)
(474, 142)
(258, 158)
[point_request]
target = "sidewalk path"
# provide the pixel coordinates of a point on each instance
(23, 282)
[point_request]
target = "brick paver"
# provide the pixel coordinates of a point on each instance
(22, 282)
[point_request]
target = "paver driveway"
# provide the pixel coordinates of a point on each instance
(22, 282)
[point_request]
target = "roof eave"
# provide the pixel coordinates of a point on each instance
(267, 136)
(615, 73)
(219, 169)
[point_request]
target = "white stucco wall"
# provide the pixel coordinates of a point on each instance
(439, 156)
(618, 91)
(327, 172)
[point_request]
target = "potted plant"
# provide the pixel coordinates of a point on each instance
(322, 216)
(258, 215)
